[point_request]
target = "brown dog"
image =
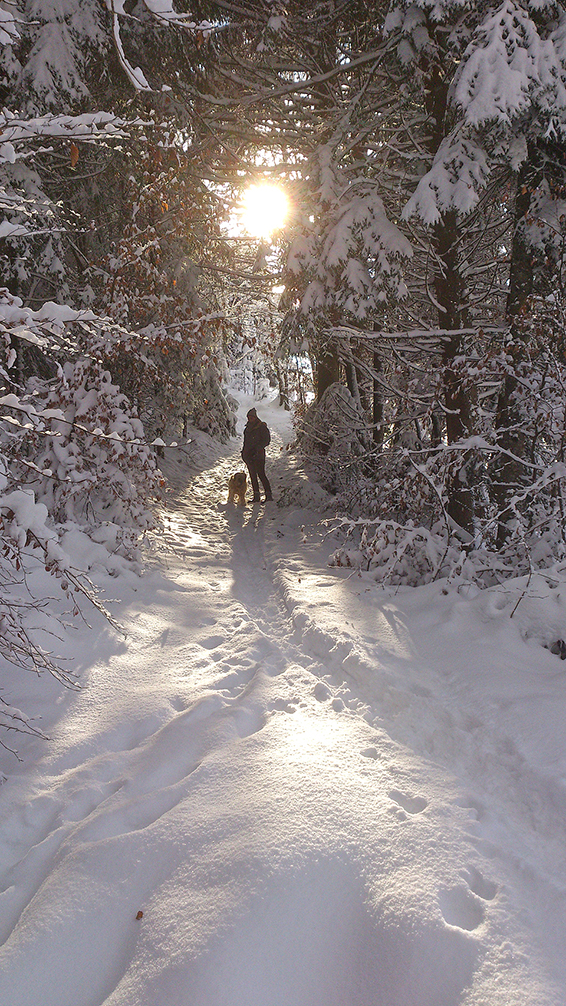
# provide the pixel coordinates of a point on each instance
(237, 485)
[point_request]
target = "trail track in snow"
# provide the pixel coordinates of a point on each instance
(241, 771)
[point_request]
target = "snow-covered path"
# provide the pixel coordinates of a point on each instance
(286, 775)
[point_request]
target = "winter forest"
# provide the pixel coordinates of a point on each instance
(410, 311)
(312, 753)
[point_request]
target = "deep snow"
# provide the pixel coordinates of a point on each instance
(312, 791)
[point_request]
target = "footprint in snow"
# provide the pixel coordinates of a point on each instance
(461, 908)
(464, 907)
(485, 889)
(474, 807)
(321, 692)
(212, 642)
(410, 804)
(248, 721)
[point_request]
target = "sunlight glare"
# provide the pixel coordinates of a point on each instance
(265, 208)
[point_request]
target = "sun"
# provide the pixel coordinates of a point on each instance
(264, 210)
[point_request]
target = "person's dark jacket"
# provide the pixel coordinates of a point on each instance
(256, 439)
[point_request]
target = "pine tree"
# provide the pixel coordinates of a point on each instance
(491, 78)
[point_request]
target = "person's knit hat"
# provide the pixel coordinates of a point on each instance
(252, 414)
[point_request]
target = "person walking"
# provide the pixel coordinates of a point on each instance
(256, 439)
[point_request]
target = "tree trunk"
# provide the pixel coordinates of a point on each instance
(508, 473)
(352, 379)
(377, 404)
(449, 288)
(283, 383)
(327, 369)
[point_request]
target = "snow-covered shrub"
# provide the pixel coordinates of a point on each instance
(332, 439)
(212, 411)
(32, 566)
(71, 457)
(511, 470)
(172, 376)
(406, 536)
(402, 554)
(90, 461)
(73, 460)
